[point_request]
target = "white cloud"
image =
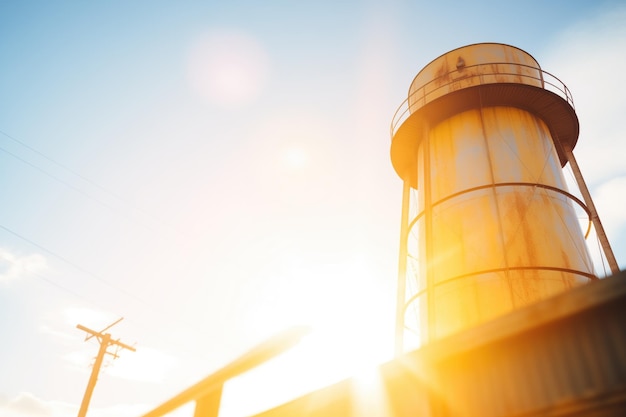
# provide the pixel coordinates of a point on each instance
(14, 266)
(120, 410)
(93, 319)
(81, 359)
(144, 365)
(28, 405)
(610, 200)
(63, 335)
(589, 59)
(61, 325)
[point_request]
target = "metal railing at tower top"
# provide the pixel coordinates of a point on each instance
(477, 75)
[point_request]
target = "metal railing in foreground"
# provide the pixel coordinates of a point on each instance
(207, 393)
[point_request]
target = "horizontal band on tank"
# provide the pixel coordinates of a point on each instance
(417, 114)
(422, 292)
(510, 184)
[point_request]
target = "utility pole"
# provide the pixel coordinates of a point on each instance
(105, 341)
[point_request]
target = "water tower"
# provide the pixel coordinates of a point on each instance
(488, 224)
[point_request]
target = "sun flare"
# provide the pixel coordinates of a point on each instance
(228, 67)
(295, 158)
(349, 338)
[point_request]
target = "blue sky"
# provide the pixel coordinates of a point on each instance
(212, 214)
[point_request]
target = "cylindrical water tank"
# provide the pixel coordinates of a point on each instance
(495, 226)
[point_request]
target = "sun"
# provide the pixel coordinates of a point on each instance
(349, 337)
(295, 157)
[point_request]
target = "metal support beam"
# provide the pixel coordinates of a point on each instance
(402, 262)
(604, 241)
(207, 392)
(209, 405)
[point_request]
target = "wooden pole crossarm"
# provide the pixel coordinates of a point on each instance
(105, 341)
(91, 332)
(122, 345)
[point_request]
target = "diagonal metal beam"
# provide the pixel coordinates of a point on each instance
(207, 392)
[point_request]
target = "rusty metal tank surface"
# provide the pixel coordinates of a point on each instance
(480, 137)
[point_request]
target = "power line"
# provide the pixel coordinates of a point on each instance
(74, 265)
(55, 284)
(91, 197)
(65, 167)
(81, 192)
(129, 206)
(107, 308)
(67, 184)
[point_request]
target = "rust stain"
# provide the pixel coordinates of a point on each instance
(442, 75)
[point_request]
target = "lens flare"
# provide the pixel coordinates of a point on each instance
(228, 68)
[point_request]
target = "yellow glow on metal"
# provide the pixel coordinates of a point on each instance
(495, 225)
(498, 240)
